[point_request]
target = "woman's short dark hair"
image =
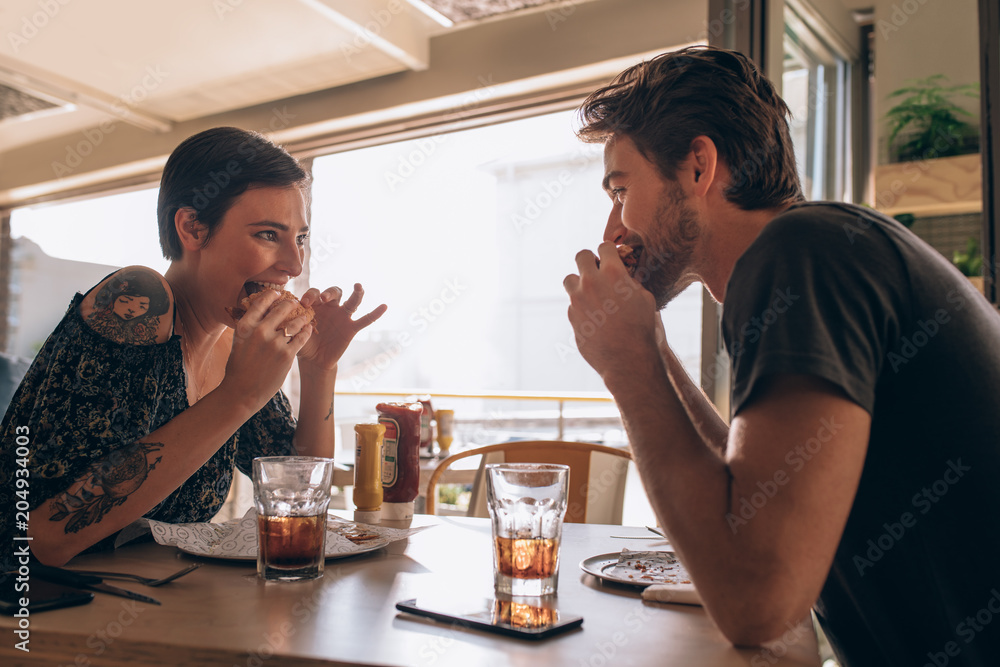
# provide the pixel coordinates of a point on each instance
(209, 170)
(663, 104)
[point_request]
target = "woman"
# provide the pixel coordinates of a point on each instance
(148, 393)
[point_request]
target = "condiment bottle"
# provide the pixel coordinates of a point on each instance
(368, 472)
(400, 458)
(445, 423)
(426, 425)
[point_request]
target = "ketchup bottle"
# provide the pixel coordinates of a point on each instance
(400, 458)
(427, 427)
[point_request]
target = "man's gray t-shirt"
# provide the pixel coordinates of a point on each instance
(848, 295)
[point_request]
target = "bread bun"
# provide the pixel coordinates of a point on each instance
(284, 295)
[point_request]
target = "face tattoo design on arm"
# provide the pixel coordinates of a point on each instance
(127, 309)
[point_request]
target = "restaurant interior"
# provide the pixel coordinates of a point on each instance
(447, 180)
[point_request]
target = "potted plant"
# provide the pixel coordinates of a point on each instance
(926, 123)
(970, 262)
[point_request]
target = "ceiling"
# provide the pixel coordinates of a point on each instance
(66, 66)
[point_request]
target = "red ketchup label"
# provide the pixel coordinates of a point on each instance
(401, 450)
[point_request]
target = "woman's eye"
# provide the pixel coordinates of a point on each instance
(301, 240)
(268, 235)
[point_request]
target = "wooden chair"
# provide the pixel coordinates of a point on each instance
(596, 477)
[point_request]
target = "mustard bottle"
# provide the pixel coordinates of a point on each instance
(368, 472)
(445, 423)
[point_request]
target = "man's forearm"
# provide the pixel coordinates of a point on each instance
(685, 477)
(756, 571)
(712, 427)
(690, 488)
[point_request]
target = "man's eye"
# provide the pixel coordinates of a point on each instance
(618, 194)
(301, 239)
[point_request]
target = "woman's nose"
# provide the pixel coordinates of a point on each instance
(290, 261)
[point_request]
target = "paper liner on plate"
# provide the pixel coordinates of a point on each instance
(649, 567)
(670, 581)
(237, 538)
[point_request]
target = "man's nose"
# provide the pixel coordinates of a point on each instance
(615, 230)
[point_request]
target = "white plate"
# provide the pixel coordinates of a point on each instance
(603, 566)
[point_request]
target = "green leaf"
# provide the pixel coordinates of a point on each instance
(926, 112)
(969, 261)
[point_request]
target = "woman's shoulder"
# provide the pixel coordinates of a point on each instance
(133, 305)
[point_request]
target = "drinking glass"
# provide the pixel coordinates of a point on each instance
(527, 503)
(291, 494)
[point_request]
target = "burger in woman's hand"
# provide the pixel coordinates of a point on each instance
(283, 295)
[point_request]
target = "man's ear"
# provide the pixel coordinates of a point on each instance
(190, 230)
(703, 164)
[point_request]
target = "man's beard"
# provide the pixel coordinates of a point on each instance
(668, 248)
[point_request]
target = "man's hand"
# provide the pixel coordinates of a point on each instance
(613, 317)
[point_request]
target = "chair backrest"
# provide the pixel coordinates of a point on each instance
(596, 476)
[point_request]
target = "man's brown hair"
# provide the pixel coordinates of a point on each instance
(664, 103)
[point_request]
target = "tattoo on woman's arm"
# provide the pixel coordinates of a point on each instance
(127, 308)
(107, 484)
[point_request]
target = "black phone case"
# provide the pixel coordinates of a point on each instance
(42, 596)
(410, 606)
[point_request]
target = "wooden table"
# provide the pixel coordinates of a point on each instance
(222, 615)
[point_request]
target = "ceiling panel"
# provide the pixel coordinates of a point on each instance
(155, 63)
(16, 104)
(460, 11)
(163, 57)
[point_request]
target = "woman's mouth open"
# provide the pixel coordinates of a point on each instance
(252, 287)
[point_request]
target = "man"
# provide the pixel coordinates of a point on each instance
(859, 475)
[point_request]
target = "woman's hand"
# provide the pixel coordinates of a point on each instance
(263, 350)
(334, 327)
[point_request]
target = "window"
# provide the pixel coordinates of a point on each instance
(60, 249)
(468, 236)
(815, 85)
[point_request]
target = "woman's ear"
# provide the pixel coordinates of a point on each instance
(190, 230)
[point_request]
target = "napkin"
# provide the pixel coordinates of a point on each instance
(672, 593)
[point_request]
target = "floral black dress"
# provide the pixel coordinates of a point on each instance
(86, 397)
